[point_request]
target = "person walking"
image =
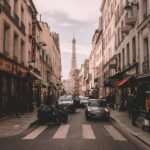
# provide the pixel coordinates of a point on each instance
(129, 104)
(134, 109)
(15, 106)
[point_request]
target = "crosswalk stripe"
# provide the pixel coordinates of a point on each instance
(62, 131)
(35, 133)
(87, 132)
(114, 133)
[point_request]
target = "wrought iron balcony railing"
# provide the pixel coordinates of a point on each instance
(125, 29)
(22, 27)
(131, 21)
(145, 64)
(16, 19)
(7, 7)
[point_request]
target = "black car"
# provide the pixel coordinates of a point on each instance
(97, 108)
(67, 103)
(83, 101)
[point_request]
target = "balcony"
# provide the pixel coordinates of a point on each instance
(145, 64)
(37, 71)
(22, 27)
(125, 29)
(146, 14)
(16, 19)
(131, 21)
(7, 7)
(6, 53)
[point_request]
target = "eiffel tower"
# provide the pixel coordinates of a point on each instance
(73, 60)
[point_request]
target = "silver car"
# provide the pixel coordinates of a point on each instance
(97, 108)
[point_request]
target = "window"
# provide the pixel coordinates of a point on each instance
(134, 49)
(22, 14)
(22, 51)
(15, 44)
(128, 54)
(16, 6)
(146, 52)
(118, 36)
(6, 37)
(145, 7)
(123, 58)
(122, 34)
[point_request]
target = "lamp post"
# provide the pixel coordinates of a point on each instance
(129, 6)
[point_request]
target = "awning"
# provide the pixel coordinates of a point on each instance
(121, 82)
(36, 75)
(44, 83)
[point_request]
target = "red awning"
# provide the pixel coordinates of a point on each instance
(121, 82)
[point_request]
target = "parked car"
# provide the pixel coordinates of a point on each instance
(67, 103)
(97, 108)
(83, 101)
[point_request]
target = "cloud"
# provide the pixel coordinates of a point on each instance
(68, 17)
(65, 24)
(76, 9)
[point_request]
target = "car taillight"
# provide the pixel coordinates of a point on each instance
(106, 110)
(89, 109)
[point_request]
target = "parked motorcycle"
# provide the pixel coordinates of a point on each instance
(53, 114)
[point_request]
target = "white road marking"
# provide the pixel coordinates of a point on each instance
(62, 131)
(16, 126)
(35, 133)
(114, 133)
(87, 132)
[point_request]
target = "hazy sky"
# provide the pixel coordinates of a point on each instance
(68, 17)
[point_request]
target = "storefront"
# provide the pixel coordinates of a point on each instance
(13, 82)
(126, 83)
(143, 88)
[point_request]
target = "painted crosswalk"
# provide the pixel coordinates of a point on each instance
(114, 133)
(62, 131)
(87, 132)
(35, 133)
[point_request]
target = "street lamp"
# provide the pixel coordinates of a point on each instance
(129, 6)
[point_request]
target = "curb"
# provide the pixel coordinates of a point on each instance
(114, 120)
(32, 124)
(141, 140)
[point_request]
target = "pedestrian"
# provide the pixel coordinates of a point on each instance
(49, 99)
(134, 109)
(129, 103)
(15, 106)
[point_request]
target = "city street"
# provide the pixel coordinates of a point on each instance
(77, 134)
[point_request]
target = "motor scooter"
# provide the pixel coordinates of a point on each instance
(52, 114)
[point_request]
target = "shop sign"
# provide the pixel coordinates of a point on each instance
(33, 36)
(131, 72)
(5, 66)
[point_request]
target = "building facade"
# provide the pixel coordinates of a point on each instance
(28, 61)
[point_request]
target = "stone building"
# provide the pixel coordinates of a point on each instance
(14, 71)
(29, 63)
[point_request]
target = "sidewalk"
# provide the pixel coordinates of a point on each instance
(123, 120)
(13, 126)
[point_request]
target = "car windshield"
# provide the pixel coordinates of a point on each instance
(98, 103)
(84, 98)
(61, 99)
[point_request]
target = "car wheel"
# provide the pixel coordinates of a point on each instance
(65, 119)
(87, 117)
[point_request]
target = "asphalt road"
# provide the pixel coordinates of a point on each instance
(78, 134)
